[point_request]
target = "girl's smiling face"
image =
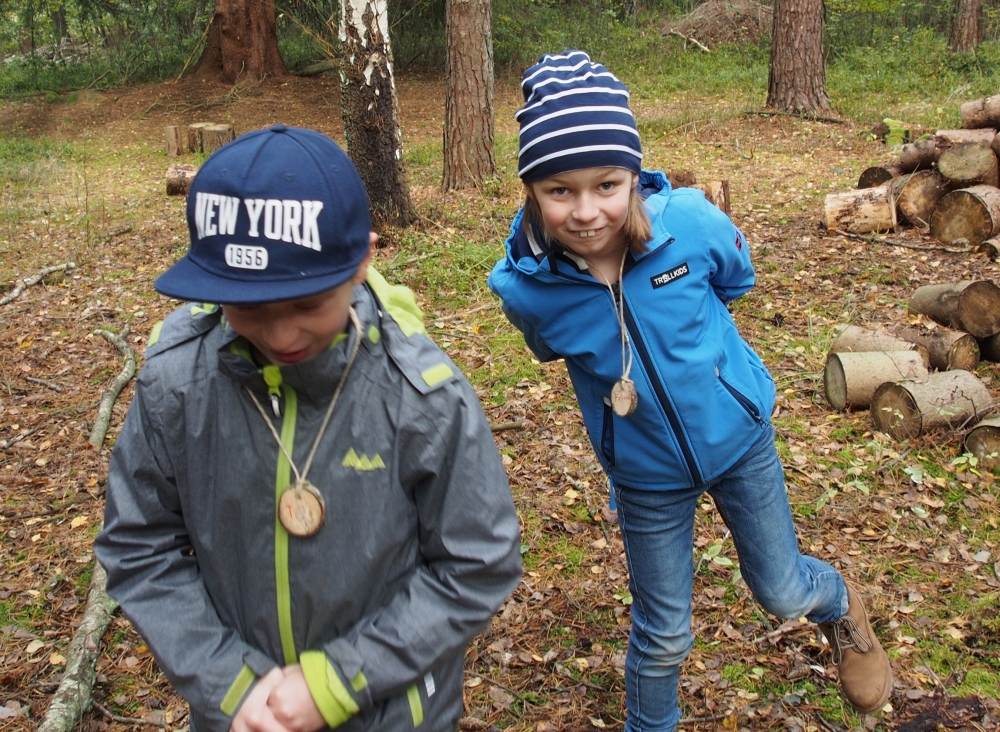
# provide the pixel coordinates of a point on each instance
(586, 209)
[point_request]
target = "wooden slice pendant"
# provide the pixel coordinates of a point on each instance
(301, 509)
(624, 398)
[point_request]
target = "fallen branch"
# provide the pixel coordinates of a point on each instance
(43, 382)
(51, 510)
(4, 444)
(72, 698)
(691, 39)
(128, 720)
(505, 426)
(111, 393)
(801, 115)
(897, 243)
(34, 280)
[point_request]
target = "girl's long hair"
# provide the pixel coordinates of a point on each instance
(635, 232)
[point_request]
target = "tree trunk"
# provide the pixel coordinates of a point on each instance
(950, 399)
(965, 26)
(468, 105)
(984, 135)
(917, 195)
(371, 111)
(215, 136)
(850, 379)
(979, 113)
(716, 192)
(947, 349)
(973, 307)
(859, 211)
(983, 441)
(971, 214)
(176, 139)
(242, 41)
(969, 164)
(797, 77)
(855, 339)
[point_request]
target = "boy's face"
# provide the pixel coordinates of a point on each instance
(293, 331)
(586, 209)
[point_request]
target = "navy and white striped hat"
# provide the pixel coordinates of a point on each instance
(575, 116)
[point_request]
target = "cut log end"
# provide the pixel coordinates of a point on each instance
(894, 412)
(983, 442)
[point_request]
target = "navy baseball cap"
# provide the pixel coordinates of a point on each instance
(277, 214)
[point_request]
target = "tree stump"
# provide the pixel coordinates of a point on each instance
(957, 137)
(717, 193)
(983, 112)
(215, 136)
(989, 348)
(973, 307)
(947, 349)
(972, 214)
(879, 174)
(917, 195)
(855, 339)
(681, 178)
(949, 399)
(177, 139)
(922, 154)
(968, 164)
(859, 211)
(983, 441)
(195, 143)
(850, 379)
(179, 179)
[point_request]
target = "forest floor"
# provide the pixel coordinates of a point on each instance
(913, 524)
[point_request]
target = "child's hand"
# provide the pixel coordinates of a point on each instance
(254, 714)
(292, 704)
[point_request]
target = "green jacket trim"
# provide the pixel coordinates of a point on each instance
(237, 691)
(154, 335)
(281, 574)
(436, 374)
(332, 698)
(398, 302)
(416, 708)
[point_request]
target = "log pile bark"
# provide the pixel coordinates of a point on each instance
(948, 183)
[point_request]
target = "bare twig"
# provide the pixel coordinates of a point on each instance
(51, 510)
(129, 720)
(691, 39)
(4, 444)
(897, 243)
(103, 418)
(73, 696)
(506, 426)
(43, 382)
(34, 280)
(801, 115)
(196, 47)
(117, 232)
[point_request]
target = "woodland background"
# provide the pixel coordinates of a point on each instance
(914, 523)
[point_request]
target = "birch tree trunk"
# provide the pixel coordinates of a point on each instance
(371, 110)
(797, 78)
(468, 106)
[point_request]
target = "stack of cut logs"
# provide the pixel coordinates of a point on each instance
(947, 182)
(890, 371)
(200, 137)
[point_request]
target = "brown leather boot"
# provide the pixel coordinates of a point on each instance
(865, 675)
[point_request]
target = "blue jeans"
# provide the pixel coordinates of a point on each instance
(658, 531)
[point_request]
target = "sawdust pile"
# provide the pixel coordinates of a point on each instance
(724, 21)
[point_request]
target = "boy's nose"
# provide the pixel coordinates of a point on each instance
(586, 208)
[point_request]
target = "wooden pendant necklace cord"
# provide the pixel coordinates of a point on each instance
(620, 314)
(300, 479)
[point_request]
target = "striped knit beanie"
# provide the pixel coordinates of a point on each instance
(575, 116)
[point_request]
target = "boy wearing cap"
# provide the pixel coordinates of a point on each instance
(307, 519)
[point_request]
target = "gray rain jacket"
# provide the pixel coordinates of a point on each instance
(419, 548)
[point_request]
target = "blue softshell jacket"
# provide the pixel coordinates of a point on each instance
(704, 395)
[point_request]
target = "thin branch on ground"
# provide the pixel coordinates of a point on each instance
(50, 511)
(506, 426)
(74, 694)
(103, 419)
(906, 245)
(128, 720)
(4, 444)
(34, 280)
(801, 115)
(43, 382)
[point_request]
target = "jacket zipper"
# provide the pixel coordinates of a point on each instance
(661, 393)
(748, 405)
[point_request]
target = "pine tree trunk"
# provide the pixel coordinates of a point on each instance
(797, 78)
(371, 110)
(965, 26)
(242, 41)
(468, 115)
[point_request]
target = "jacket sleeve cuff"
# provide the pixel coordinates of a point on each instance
(332, 698)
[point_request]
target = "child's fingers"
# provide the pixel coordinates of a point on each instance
(292, 704)
(253, 715)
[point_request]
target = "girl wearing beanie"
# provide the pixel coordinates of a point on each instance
(628, 280)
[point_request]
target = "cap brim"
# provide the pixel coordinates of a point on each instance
(185, 280)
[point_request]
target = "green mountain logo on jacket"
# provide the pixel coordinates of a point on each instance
(351, 460)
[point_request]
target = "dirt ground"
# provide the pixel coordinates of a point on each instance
(105, 211)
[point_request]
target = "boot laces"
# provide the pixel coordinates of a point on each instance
(847, 635)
